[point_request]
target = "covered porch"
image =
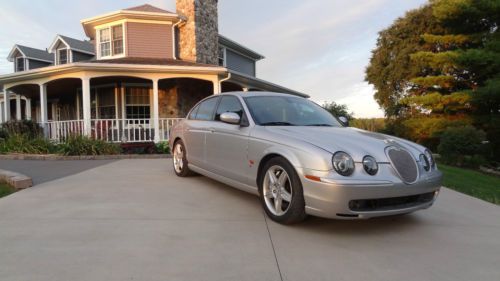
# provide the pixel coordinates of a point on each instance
(115, 106)
(116, 102)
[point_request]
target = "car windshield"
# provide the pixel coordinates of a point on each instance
(288, 111)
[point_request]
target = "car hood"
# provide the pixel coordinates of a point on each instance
(358, 143)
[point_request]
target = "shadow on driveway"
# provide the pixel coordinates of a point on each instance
(45, 171)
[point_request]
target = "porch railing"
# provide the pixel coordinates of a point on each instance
(112, 130)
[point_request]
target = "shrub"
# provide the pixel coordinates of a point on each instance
(162, 147)
(461, 146)
(22, 127)
(19, 143)
(81, 145)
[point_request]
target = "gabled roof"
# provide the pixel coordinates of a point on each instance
(223, 40)
(74, 44)
(31, 53)
(148, 8)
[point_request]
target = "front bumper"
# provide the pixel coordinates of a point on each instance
(350, 198)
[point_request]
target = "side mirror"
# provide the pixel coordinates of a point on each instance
(230, 118)
(344, 121)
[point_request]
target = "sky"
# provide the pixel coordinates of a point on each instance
(318, 47)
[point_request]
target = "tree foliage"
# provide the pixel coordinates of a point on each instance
(338, 110)
(441, 62)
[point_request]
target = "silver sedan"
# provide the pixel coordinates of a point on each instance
(300, 160)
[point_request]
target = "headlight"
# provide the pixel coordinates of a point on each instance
(425, 162)
(428, 154)
(343, 163)
(370, 165)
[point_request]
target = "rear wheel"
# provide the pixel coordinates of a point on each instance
(181, 168)
(281, 192)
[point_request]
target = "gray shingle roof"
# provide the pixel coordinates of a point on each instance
(36, 53)
(76, 44)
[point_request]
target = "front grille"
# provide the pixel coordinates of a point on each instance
(404, 164)
(393, 203)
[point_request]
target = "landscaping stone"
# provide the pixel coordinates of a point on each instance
(18, 181)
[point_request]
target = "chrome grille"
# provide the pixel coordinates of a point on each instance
(403, 163)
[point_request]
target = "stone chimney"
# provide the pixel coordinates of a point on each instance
(198, 36)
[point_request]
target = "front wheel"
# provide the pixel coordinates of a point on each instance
(281, 192)
(181, 168)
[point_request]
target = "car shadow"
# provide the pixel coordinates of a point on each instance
(363, 227)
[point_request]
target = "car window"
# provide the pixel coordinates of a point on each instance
(192, 115)
(229, 104)
(206, 109)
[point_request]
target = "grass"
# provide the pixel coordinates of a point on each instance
(5, 189)
(473, 183)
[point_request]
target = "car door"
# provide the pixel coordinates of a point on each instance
(226, 144)
(197, 126)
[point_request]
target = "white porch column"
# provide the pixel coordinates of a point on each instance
(28, 109)
(156, 111)
(87, 123)
(43, 108)
(18, 107)
(6, 103)
(1, 112)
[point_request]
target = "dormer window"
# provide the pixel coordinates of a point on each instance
(111, 41)
(62, 56)
(20, 64)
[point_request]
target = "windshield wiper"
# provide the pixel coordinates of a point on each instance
(277, 123)
(319, 125)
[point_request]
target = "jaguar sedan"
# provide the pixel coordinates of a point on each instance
(300, 160)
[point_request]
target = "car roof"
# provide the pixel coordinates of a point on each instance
(257, 94)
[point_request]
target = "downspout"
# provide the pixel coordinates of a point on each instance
(174, 42)
(225, 79)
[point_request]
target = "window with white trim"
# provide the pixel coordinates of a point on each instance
(111, 41)
(222, 56)
(20, 64)
(137, 103)
(62, 56)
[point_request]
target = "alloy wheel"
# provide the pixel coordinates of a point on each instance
(277, 190)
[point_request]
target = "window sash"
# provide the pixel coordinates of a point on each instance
(20, 64)
(62, 56)
(111, 41)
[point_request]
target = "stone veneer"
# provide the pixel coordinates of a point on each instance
(177, 96)
(198, 36)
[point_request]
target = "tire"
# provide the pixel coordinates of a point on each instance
(287, 188)
(180, 162)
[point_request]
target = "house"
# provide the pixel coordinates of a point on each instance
(138, 72)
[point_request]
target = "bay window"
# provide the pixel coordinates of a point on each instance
(137, 103)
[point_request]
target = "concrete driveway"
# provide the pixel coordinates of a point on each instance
(134, 220)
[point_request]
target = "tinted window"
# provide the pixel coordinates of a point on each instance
(192, 115)
(287, 110)
(229, 104)
(206, 109)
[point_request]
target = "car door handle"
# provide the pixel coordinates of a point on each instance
(211, 130)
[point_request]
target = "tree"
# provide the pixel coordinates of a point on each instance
(338, 109)
(391, 69)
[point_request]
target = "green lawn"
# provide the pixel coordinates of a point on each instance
(471, 182)
(5, 189)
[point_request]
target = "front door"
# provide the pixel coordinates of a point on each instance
(226, 144)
